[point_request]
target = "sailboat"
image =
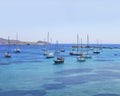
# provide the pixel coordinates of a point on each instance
(97, 51)
(57, 50)
(87, 55)
(49, 54)
(59, 59)
(63, 49)
(73, 52)
(17, 50)
(44, 46)
(7, 54)
(44, 49)
(81, 57)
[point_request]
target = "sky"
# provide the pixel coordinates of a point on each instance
(63, 19)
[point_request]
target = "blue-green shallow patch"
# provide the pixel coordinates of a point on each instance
(109, 74)
(102, 60)
(98, 76)
(112, 67)
(106, 95)
(53, 86)
(73, 71)
(25, 73)
(22, 93)
(19, 62)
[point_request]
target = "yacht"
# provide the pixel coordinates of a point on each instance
(96, 50)
(7, 54)
(59, 60)
(74, 52)
(17, 49)
(50, 55)
(81, 59)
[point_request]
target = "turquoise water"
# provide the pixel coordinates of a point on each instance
(31, 74)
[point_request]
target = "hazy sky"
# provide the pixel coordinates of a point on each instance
(63, 19)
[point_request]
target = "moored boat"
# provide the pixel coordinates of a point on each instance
(75, 53)
(17, 49)
(50, 55)
(62, 50)
(96, 52)
(59, 60)
(81, 59)
(7, 54)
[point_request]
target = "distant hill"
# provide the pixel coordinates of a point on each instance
(13, 42)
(3, 41)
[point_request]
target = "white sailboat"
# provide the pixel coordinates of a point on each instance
(60, 58)
(81, 57)
(17, 49)
(44, 46)
(56, 49)
(49, 54)
(74, 52)
(87, 56)
(7, 54)
(97, 51)
(44, 49)
(62, 49)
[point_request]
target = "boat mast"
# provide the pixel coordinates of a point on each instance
(57, 45)
(81, 45)
(44, 44)
(48, 37)
(77, 42)
(50, 43)
(87, 43)
(8, 45)
(97, 45)
(17, 39)
(48, 46)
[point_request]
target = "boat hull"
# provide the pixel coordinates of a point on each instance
(58, 61)
(7, 55)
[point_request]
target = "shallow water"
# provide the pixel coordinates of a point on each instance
(29, 73)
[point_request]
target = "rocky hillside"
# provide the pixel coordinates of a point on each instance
(5, 41)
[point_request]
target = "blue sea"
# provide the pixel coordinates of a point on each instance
(29, 73)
